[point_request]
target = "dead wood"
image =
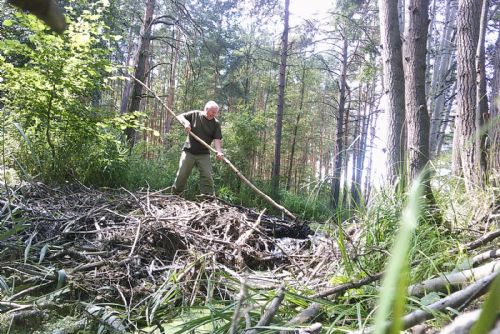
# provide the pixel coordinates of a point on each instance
(269, 313)
(483, 257)
(463, 323)
(453, 279)
(482, 240)
(336, 290)
(115, 245)
(105, 317)
(457, 299)
(304, 317)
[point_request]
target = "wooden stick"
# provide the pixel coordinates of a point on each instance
(482, 240)
(226, 160)
(268, 315)
(453, 279)
(454, 300)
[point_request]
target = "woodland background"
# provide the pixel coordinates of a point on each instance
(300, 104)
(334, 116)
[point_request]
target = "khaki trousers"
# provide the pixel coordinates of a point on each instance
(186, 164)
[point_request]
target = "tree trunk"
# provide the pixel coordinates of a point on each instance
(394, 87)
(140, 67)
(275, 176)
(417, 117)
(464, 148)
(356, 154)
(174, 57)
(128, 83)
(339, 147)
(442, 69)
(481, 95)
(494, 133)
(295, 130)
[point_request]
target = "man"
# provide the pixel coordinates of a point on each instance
(207, 127)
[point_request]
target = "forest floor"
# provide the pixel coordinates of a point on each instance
(72, 256)
(109, 246)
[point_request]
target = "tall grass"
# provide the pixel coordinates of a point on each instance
(392, 298)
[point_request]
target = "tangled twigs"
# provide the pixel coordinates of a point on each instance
(113, 244)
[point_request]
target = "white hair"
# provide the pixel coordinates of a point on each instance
(211, 104)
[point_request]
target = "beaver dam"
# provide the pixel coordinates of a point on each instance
(81, 260)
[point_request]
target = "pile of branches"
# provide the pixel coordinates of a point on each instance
(116, 246)
(113, 245)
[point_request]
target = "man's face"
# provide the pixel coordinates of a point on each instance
(211, 113)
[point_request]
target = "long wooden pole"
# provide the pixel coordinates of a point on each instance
(226, 160)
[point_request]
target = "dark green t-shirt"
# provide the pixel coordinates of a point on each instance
(206, 129)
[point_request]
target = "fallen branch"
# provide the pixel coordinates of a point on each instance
(105, 317)
(268, 315)
(454, 300)
(453, 279)
(336, 290)
(305, 316)
(463, 323)
(480, 258)
(482, 240)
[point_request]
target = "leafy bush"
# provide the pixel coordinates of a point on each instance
(51, 86)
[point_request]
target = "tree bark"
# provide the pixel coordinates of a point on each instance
(494, 132)
(464, 147)
(174, 57)
(140, 67)
(295, 130)
(417, 117)
(339, 140)
(394, 87)
(440, 74)
(481, 96)
(275, 176)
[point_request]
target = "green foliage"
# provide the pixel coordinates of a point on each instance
(158, 173)
(310, 208)
(51, 86)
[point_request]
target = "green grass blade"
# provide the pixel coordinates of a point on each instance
(28, 247)
(393, 293)
(43, 252)
(4, 235)
(61, 278)
(28, 142)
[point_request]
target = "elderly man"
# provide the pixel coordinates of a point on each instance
(207, 127)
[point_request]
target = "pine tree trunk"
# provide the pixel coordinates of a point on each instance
(275, 176)
(140, 67)
(442, 69)
(414, 51)
(174, 57)
(339, 143)
(295, 130)
(494, 133)
(464, 148)
(394, 87)
(481, 95)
